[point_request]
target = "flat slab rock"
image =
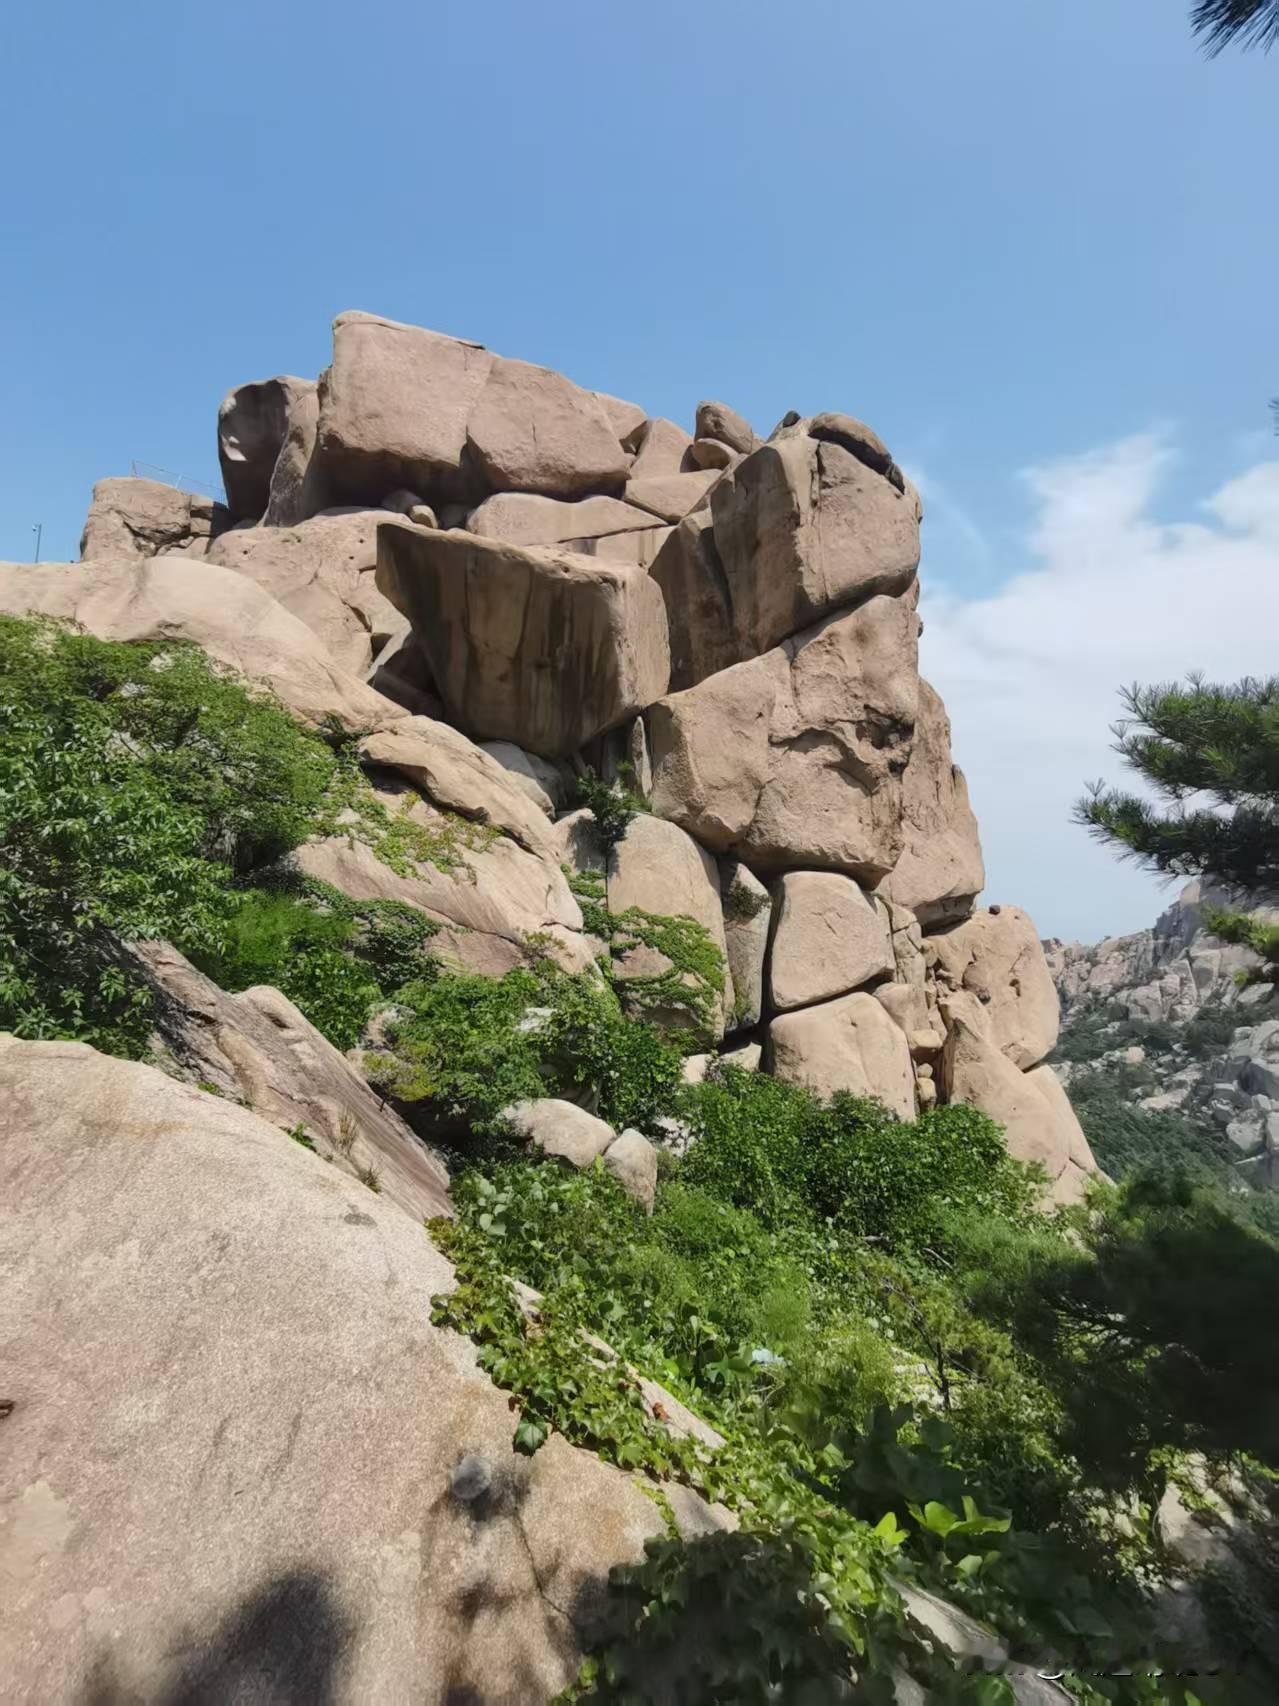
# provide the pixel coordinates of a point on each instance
(534, 645)
(214, 1322)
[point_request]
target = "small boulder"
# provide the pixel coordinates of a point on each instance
(143, 518)
(537, 778)
(632, 1161)
(394, 408)
(848, 1044)
(661, 448)
(998, 958)
(855, 436)
(717, 420)
(712, 453)
(828, 939)
(561, 1129)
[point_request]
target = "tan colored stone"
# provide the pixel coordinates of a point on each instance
(632, 1161)
(997, 957)
(536, 778)
(257, 1048)
(712, 453)
(748, 911)
(235, 621)
(577, 843)
(860, 441)
(973, 1071)
(661, 449)
(802, 528)
(828, 939)
(460, 777)
(698, 610)
(561, 1129)
(640, 546)
(717, 420)
(848, 1044)
(253, 421)
(794, 759)
(394, 409)
(745, 1059)
(940, 871)
(490, 887)
(662, 871)
(203, 1318)
(143, 518)
(532, 645)
(624, 418)
(532, 430)
(524, 518)
(1066, 1119)
(298, 488)
(672, 496)
(323, 571)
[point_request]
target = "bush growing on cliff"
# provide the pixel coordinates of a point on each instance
(135, 783)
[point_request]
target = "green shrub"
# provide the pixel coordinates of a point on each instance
(612, 804)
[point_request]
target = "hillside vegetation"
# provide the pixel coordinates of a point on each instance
(918, 1373)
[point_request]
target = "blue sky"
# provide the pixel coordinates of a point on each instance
(1010, 236)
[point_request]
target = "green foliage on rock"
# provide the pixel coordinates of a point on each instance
(136, 784)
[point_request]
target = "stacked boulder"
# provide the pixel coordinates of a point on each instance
(549, 578)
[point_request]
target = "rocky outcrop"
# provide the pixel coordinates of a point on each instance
(257, 1049)
(214, 1322)
(539, 646)
(793, 760)
(1038, 1121)
(253, 423)
(996, 957)
(143, 518)
(849, 1044)
(323, 571)
(224, 613)
(828, 939)
(1175, 998)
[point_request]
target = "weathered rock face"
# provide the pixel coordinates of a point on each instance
(488, 893)
(142, 518)
(997, 957)
(323, 571)
(298, 487)
(663, 872)
(748, 910)
(803, 528)
(535, 645)
(257, 1049)
(849, 1044)
(1039, 1123)
(795, 758)
(828, 939)
(522, 518)
(234, 621)
(532, 430)
(394, 408)
(253, 423)
(940, 870)
(213, 1321)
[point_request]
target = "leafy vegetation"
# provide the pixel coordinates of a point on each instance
(896, 1359)
(612, 804)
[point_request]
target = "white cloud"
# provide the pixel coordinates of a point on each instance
(1030, 674)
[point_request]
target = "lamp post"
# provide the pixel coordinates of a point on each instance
(38, 529)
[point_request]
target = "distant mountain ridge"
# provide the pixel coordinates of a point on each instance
(1163, 1014)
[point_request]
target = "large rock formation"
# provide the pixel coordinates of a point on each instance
(551, 571)
(241, 1463)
